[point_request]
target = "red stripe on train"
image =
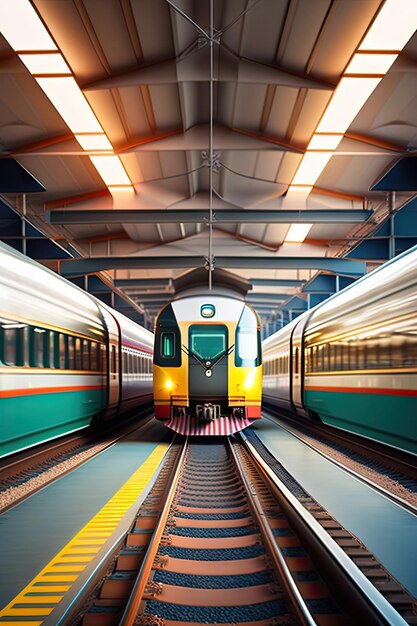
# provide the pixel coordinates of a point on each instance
(372, 390)
(11, 393)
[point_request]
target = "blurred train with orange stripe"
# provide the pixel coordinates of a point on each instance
(66, 359)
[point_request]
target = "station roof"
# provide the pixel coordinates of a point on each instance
(154, 136)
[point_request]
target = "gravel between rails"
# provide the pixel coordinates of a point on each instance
(14, 494)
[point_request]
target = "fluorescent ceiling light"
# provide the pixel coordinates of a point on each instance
(324, 142)
(49, 63)
(348, 99)
(395, 23)
(297, 233)
(21, 26)
(296, 193)
(111, 170)
(94, 142)
(70, 103)
(368, 63)
(310, 168)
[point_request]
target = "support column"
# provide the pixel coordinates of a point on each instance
(391, 209)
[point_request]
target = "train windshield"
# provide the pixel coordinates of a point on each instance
(207, 341)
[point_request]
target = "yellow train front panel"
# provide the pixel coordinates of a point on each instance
(207, 365)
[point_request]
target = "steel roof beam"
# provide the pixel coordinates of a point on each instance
(222, 216)
(261, 297)
(76, 267)
(195, 68)
(277, 282)
(146, 283)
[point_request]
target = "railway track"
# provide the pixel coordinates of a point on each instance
(225, 545)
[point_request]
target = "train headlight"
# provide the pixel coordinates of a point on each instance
(250, 380)
(169, 384)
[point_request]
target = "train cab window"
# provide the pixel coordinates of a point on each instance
(167, 351)
(208, 342)
(168, 345)
(248, 341)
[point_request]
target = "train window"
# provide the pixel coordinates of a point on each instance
(296, 352)
(319, 358)
(113, 360)
(248, 351)
(85, 354)
(62, 348)
(39, 344)
(208, 342)
(397, 354)
(247, 344)
(385, 352)
(10, 333)
(94, 356)
(77, 354)
(168, 345)
(9, 346)
(54, 349)
(167, 325)
(409, 351)
(337, 357)
(71, 353)
(373, 355)
(361, 356)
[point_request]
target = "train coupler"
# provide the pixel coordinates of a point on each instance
(238, 411)
(208, 411)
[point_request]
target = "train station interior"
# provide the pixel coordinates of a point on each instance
(250, 166)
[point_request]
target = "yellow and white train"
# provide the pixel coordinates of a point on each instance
(207, 371)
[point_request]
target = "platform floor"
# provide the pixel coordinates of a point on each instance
(386, 529)
(34, 532)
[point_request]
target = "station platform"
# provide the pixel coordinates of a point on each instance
(386, 529)
(37, 535)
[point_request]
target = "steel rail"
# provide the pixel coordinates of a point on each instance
(131, 611)
(280, 565)
(380, 610)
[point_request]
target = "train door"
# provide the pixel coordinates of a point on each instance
(113, 363)
(208, 362)
(297, 366)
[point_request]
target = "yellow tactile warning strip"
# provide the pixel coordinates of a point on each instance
(40, 597)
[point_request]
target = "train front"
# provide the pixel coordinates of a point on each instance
(207, 366)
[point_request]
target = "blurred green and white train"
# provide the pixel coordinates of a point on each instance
(352, 361)
(66, 358)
